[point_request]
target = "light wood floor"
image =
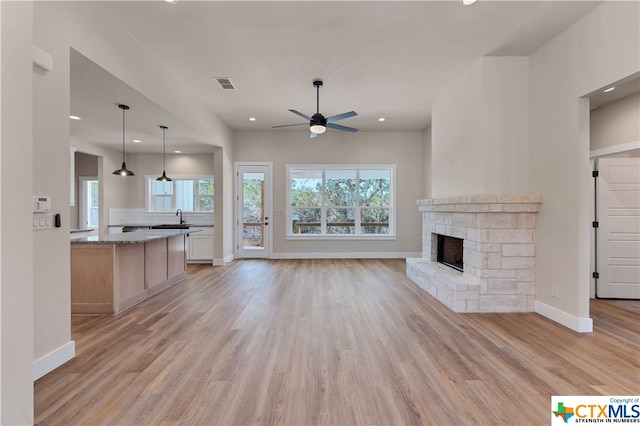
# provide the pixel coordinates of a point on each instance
(331, 342)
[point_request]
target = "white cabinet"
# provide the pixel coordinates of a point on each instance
(200, 245)
(114, 230)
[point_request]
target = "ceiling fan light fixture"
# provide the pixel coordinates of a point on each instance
(318, 123)
(123, 171)
(318, 129)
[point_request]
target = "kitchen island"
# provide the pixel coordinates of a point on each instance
(111, 273)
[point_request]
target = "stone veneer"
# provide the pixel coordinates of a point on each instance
(499, 252)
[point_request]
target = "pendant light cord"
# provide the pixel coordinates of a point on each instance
(122, 171)
(123, 110)
(164, 149)
(164, 177)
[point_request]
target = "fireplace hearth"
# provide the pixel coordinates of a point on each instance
(490, 240)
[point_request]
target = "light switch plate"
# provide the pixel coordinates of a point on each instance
(42, 221)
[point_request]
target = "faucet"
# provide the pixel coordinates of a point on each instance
(179, 213)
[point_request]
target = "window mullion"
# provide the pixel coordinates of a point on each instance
(323, 205)
(358, 221)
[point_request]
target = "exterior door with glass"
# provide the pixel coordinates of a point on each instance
(253, 210)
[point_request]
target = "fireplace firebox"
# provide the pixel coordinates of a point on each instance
(449, 252)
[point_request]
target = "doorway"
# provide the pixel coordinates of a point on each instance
(618, 231)
(253, 210)
(86, 194)
(88, 202)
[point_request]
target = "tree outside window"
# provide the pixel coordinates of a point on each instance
(340, 200)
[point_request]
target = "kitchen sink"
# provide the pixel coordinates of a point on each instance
(170, 226)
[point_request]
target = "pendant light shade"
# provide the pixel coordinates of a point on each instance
(122, 171)
(164, 177)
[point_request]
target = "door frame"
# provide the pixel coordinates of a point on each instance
(604, 288)
(268, 209)
(594, 155)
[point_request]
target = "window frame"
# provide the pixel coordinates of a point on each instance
(357, 235)
(149, 179)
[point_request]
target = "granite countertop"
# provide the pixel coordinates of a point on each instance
(135, 237)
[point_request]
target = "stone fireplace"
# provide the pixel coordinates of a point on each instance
(498, 252)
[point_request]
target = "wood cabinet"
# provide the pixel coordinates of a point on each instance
(109, 278)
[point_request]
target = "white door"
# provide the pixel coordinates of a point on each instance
(619, 228)
(253, 210)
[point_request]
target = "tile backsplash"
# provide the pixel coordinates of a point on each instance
(120, 216)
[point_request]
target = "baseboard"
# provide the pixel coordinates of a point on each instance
(224, 261)
(54, 359)
(346, 255)
(581, 325)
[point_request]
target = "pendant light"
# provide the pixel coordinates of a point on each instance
(164, 177)
(122, 171)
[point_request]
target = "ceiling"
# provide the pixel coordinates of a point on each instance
(621, 89)
(382, 59)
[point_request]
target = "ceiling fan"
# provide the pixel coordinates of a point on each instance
(317, 122)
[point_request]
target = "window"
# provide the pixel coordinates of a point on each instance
(190, 195)
(340, 201)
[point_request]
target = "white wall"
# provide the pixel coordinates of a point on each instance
(58, 27)
(405, 149)
(616, 123)
(480, 130)
(151, 164)
(16, 244)
(427, 164)
(601, 48)
(519, 125)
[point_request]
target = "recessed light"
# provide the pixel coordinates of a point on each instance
(171, 1)
(467, 2)
(252, 119)
(136, 140)
(381, 119)
(609, 89)
(75, 117)
(178, 152)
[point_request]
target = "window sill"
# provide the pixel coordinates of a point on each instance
(341, 237)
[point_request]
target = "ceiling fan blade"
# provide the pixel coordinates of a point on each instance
(342, 116)
(289, 125)
(306, 117)
(313, 135)
(339, 127)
